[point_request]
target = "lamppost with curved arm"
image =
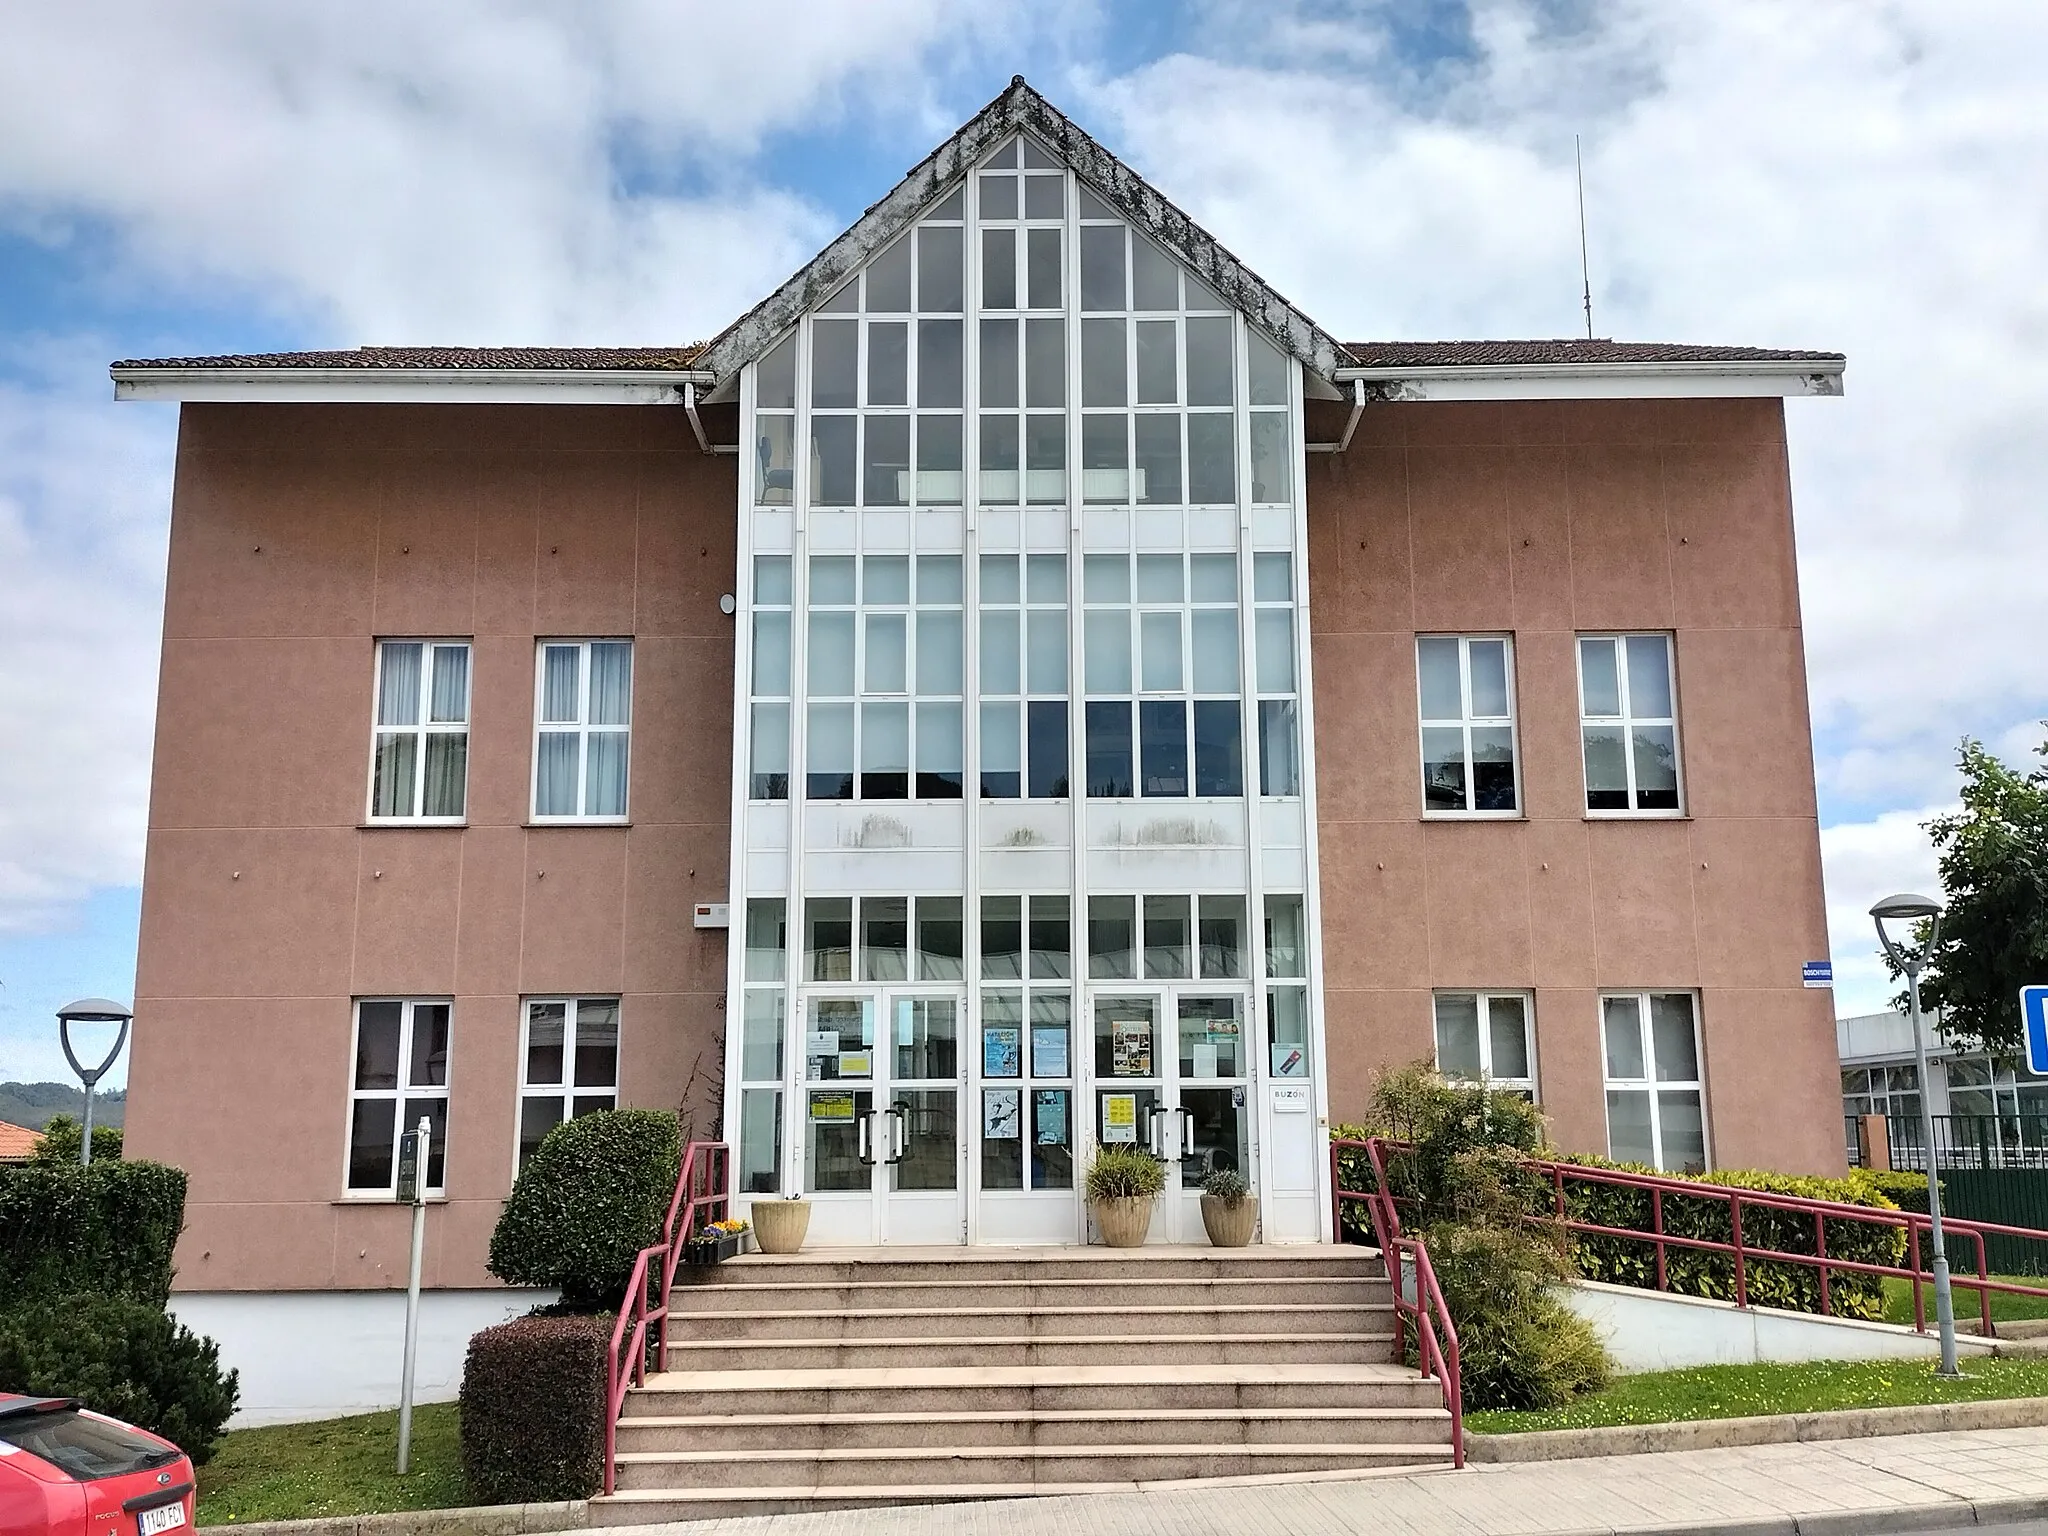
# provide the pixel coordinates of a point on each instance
(91, 1010)
(1908, 908)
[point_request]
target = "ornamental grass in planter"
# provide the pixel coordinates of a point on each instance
(1123, 1186)
(1230, 1211)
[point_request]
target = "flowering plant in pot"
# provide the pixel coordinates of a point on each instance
(715, 1241)
(1229, 1209)
(780, 1225)
(1123, 1186)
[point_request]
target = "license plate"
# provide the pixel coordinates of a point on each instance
(165, 1517)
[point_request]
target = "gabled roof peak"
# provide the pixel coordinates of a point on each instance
(1019, 107)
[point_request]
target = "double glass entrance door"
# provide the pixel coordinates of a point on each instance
(884, 1157)
(1173, 1076)
(886, 1074)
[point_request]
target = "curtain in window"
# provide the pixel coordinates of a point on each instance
(451, 685)
(554, 787)
(611, 684)
(604, 784)
(398, 692)
(559, 667)
(447, 772)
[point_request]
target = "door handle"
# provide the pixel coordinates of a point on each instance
(899, 1128)
(865, 1127)
(1154, 1142)
(1187, 1131)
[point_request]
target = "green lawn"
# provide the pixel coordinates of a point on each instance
(1898, 1300)
(1736, 1391)
(333, 1467)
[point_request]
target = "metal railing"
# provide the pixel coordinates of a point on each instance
(1436, 1336)
(1970, 1141)
(642, 1328)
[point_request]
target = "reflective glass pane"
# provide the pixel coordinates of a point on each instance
(885, 579)
(561, 683)
(889, 363)
(555, 771)
(1109, 765)
(1489, 679)
(1683, 1130)
(450, 702)
(1045, 578)
(1113, 936)
(887, 653)
(1211, 1040)
(941, 939)
(1443, 768)
(1622, 1032)
(767, 938)
(772, 580)
(998, 197)
(1163, 747)
(1628, 1128)
(1507, 1028)
(832, 579)
(1279, 748)
(885, 938)
(830, 660)
(835, 358)
(1606, 769)
(1209, 362)
(1106, 579)
(1002, 751)
(1159, 652)
(1106, 650)
(775, 378)
(1656, 755)
(1045, 362)
(1219, 747)
(771, 654)
(1457, 1035)
(828, 938)
(1159, 579)
(1157, 362)
(1212, 459)
(1599, 684)
(828, 753)
(1158, 458)
(888, 281)
(1102, 267)
(939, 365)
(538, 1114)
(611, 682)
(597, 1043)
(833, 459)
(885, 470)
(1268, 371)
(1213, 578)
(1219, 936)
(1215, 649)
(1052, 943)
(1671, 1037)
(941, 751)
(1045, 197)
(1272, 578)
(999, 363)
(999, 264)
(1046, 651)
(760, 1142)
(372, 1140)
(774, 460)
(1649, 677)
(1436, 666)
(1274, 630)
(1104, 370)
(1168, 936)
(940, 264)
(395, 767)
(1286, 937)
(1155, 279)
(998, 579)
(446, 773)
(1046, 749)
(1272, 457)
(1042, 268)
(1493, 768)
(1002, 937)
(377, 1045)
(940, 656)
(1001, 651)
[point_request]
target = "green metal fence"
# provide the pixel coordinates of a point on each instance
(2013, 1197)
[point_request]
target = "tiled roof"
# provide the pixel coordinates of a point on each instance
(401, 359)
(1366, 354)
(1563, 350)
(17, 1143)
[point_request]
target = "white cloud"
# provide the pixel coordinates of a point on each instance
(1836, 174)
(1867, 861)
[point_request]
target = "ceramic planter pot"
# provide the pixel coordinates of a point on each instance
(1123, 1221)
(780, 1225)
(1230, 1228)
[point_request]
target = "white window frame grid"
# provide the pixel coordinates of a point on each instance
(581, 727)
(396, 1096)
(1483, 1000)
(1466, 721)
(1025, 988)
(913, 610)
(423, 726)
(1257, 694)
(1652, 1085)
(764, 701)
(1136, 608)
(1627, 721)
(568, 1091)
(765, 974)
(1021, 612)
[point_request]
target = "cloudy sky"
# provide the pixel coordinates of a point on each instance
(1864, 175)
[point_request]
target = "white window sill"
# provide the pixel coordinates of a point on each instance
(1637, 816)
(579, 821)
(380, 1197)
(1475, 815)
(387, 823)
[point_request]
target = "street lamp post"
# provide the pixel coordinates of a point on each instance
(91, 1010)
(1911, 960)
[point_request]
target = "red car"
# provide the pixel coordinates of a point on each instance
(67, 1471)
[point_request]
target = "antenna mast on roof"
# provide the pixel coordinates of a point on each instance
(1585, 266)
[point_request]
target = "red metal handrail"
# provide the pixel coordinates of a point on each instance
(1436, 1354)
(700, 1188)
(1742, 1250)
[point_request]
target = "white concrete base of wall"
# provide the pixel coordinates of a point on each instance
(1654, 1331)
(320, 1354)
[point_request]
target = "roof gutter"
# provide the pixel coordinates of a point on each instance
(1600, 381)
(441, 386)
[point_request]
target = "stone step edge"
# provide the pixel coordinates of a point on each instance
(1368, 1450)
(1066, 1253)
(727, 1346)
(784, 1313)
(946, 1493)
(1025, 1416)
(726, 1287)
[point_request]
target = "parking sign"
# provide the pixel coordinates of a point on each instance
(2034, 1014)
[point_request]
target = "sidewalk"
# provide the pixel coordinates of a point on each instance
(1897, 1483)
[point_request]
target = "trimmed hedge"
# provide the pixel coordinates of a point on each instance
(1908, 1191)
(64, 1136)
(593, 1194)
(125, 1358)
(533, 1409)
(1792, 1287)
(106, 1230)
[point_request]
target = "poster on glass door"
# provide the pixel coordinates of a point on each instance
(1131, 1048)
(1119, 1117)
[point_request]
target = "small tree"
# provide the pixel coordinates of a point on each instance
(593, 1194)
(1994, 931)
(64, 1135)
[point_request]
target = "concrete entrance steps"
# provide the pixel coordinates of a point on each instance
(885, 1376)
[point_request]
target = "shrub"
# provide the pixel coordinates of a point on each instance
(63, 1137)
(104, 1230)
(533, 1409)
(1519, 1346)
(124, 1358)
(1123, 1173)
(1227, 1186)
(1792, 1287)
(1908, 1191)
(593, 1194)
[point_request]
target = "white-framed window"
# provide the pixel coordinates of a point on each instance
(769, 682)
(419, 748)
(583, 714)
(1628, 724)
(1466, 695)
(568, 1064)
(1487, 1037)
(400, 1073)
(1656, 1100)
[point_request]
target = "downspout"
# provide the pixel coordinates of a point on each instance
(697, 424)
(1350, 426)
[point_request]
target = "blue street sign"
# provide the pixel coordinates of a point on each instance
(1817, 973)
(2034, 1011)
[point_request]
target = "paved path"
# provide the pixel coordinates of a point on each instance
(1906, 1482)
